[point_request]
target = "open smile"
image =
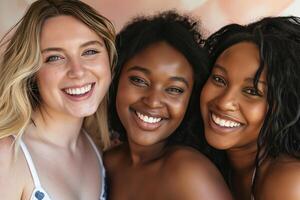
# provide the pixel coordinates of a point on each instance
(79, 93)
(146, 121)
(222, 124)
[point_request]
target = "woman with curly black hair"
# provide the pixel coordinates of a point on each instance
(161, 65)
(251, 106)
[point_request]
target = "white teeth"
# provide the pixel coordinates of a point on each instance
(148, 119)
(224, 123)
(79, 91)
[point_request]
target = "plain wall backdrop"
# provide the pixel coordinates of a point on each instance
(212, 13)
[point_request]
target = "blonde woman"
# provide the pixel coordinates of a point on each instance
(55, 72)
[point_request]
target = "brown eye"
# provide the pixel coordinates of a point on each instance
(218, 80)
(253, 92)
(175, 90)
(140, 82)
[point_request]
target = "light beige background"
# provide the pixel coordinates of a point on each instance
(212, 13)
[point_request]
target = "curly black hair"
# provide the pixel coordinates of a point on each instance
(182, 33)
(278, 42)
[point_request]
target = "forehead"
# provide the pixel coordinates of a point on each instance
(162, 58)
(61, 29)
(242, 57)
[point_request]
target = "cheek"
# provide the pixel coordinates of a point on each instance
(101, 67)
(178, 107)
(124, 97)
(47, 80)
(256, 113)
(207, 94)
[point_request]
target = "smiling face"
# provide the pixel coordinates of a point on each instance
(233, 110)
(153, 93)
(75, 73)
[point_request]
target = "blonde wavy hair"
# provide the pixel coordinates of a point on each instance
(21, 60)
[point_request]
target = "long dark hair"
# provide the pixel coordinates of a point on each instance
(278, 42)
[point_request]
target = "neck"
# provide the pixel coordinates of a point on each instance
(140, 155)
(56, 128)
(242, 161)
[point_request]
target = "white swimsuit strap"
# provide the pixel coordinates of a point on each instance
(101, 164)
(94, 147)
(30, 164)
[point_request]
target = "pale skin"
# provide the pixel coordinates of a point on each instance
(229, 95)
(67, 165)
(157, 82)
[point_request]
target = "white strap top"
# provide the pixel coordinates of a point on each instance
(39, 193)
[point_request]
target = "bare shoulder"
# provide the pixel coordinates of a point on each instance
(11, 184)
(284, 175)
(193, 175)
(6, 153)
(185, 156)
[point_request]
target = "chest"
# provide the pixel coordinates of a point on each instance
(64, 176)
(135, 184)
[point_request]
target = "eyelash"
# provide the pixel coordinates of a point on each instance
(175, 90)
(90, 50)
(53, 58)
(253, 92)
(138, 81)
(218, 80)
(249, 91)
(143, 83)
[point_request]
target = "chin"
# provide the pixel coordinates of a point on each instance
(217, 143)
(80, 113)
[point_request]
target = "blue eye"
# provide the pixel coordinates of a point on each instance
(218, 80)
(90, 52)
(53, 58)
(138, 81)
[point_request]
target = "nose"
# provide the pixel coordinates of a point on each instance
(153, 98)
(75, 69)
(227, 101)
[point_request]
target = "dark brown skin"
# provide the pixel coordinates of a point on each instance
(173, 173)
(157, 83)
(279, 179)
(229, 95)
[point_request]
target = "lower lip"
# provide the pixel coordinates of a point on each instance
(221, 129)
(82, 96)
(144, 125)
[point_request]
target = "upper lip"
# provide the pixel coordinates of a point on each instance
(78, 86)
(150, 113)
(225, 116)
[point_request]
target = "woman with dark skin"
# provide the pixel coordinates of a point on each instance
(251, 106)
(161, 61)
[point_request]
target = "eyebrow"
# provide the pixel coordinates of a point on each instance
(220, 67)
(181, 79)
(81, 46)
(146, 71)
(138, 68)
(252, 79)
